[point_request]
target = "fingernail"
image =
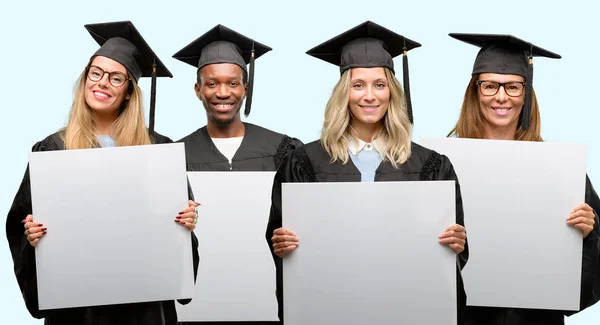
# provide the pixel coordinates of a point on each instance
(44, 233)
(44, 229)
(23, 221)
(176, 220)
(178, 217)
(180, 212)
(39, 225)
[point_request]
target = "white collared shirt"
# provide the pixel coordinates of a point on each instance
(357, 145)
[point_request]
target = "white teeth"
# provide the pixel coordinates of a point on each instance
(99, 94)
(223, 106)
(501, 110)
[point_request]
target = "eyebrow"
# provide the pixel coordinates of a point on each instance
(377, 80)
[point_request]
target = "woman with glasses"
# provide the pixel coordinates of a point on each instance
(106, 112)
(500, 104)
(366, 137)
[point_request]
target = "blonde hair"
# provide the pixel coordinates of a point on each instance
(127, 130)
(470, 122)
(395, 128)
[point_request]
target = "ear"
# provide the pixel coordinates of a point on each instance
(128, 97)
(198, 91)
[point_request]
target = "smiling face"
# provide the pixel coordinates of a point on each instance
(101, 96)
(369, 95)
(500, 111)
(221, 91)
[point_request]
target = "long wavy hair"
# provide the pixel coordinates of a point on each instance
(396, 129)
(471, 120)
(128, 129)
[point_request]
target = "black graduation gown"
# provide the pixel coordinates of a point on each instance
(260, 150)
(590, 285)
(311, 163)
(23, 255)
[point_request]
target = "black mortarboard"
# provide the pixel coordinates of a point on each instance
(223, 45)
(507, 54)
(365, 46)
(122, 42)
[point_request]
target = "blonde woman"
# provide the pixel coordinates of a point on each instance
(106, 112)
(500, 104)
(366, 136)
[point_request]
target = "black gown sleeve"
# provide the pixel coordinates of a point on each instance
(295, 168)
(23, 254)
(590, 264)
(445, 171)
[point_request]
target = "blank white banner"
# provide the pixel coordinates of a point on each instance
(236, 277)
(517, 196)
(110, 216)
(369, 253)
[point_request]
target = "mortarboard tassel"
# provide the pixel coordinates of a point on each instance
(406, 83)
(526, 115)
(250, 83)
(152, 96)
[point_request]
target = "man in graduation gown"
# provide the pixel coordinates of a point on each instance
(223, 82)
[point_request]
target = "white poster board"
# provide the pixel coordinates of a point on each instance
(236, 277)
(369, 253)
(517, 196)
(110, 216)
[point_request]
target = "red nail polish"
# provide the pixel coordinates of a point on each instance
(44, 229)
(176, 220)
(39, 225)
(181, 212)
(178, 217)
(44, 233)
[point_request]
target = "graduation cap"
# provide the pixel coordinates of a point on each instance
(224, 45)
(506, 54)
(122, 42)
(365, 46)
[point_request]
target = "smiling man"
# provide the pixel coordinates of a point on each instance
(222, 85)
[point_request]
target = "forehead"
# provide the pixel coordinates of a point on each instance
(500, 77)
(368, 73)
(222, 71)
(107, 64)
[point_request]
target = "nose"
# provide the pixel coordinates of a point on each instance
(103, 82)
(222, 91)
(369, 94)
(501, 94)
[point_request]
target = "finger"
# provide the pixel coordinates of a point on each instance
(284, 244)
(581, 213)
(583, 206)
(583, 227)
(584, 220)
(452, 240)
(193, 204)
(187, 210)
(30, 224)
(29, 218)
(453, 233)
(457, 248)
(283, 251)
(187, 215)
(283, 231)
(34, 230)
(31, 237)
(34, 242)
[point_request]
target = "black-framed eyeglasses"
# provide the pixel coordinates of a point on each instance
(116, 78)
(490, 88)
